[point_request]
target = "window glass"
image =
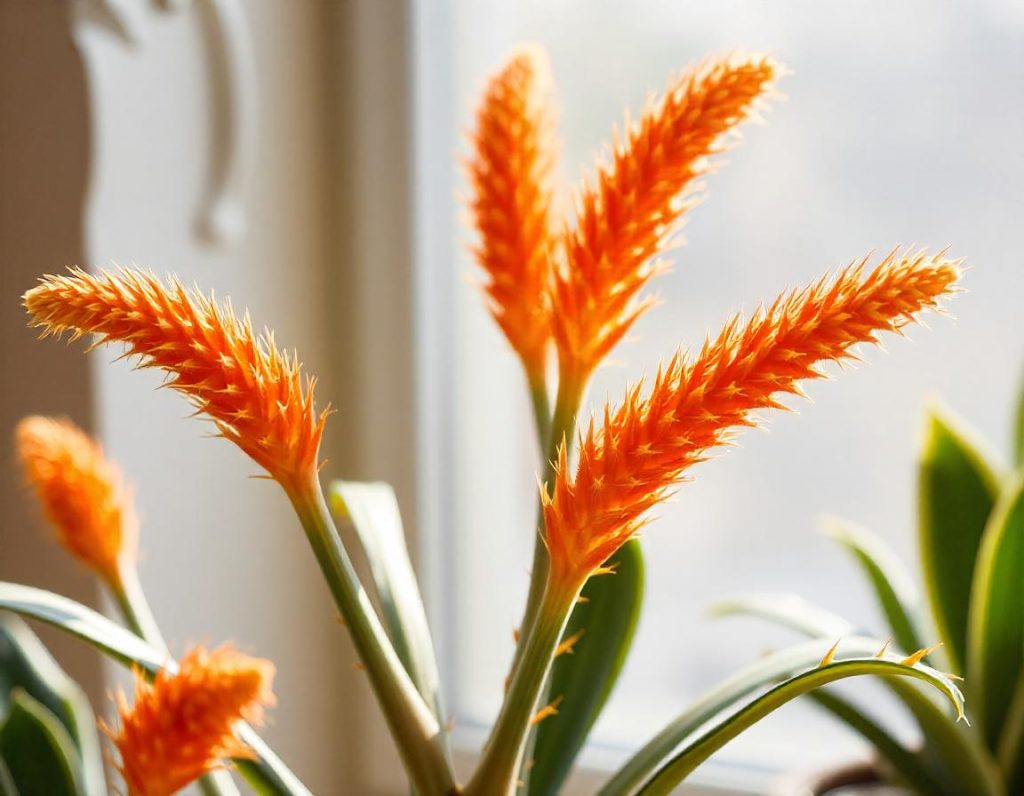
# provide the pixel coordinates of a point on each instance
(900, 123)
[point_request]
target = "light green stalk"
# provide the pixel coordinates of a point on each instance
(498, 771)
(412, 725)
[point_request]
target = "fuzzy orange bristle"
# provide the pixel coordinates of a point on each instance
(627, 215)
(82, 494)
(180, 726)
(648, 443)
(510, 172)
(253, 392)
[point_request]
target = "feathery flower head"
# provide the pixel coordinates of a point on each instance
(180, 725)
(254, 393)
(628, 213)
(510, 172)
(82, 494)
(647, 443)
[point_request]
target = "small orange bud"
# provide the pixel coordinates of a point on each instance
(81, 492)
(180, 725)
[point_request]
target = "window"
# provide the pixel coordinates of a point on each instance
(897, 127)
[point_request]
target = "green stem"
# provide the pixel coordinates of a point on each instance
(412, 725)
(134, 607)
(563, 426)
(498, 771)
(541, 412)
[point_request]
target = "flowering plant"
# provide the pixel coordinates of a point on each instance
(574, 287)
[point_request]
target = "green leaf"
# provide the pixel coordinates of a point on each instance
(957, 491)
(7, 786)
(893, 586)
(953, 749)
(787, 610)
(38, 750)
(767, 671)
(906, 766)
(959, 753)
(584, 679)
(995, 659)
(26, 664)
(1010, 751)
(267, 774)
(371, 509)
(723, 730)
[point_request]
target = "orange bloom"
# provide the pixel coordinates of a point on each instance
(627, 215)
(82, 494)
(181, 725)
(253, 393)
(648, 443)
(511, 177)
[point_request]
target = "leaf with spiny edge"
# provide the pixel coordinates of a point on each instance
(960, 757)
(778, 666)
(722, 730)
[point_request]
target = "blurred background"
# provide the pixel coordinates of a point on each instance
(303, 158)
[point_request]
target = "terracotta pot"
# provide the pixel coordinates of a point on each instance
(856, 779)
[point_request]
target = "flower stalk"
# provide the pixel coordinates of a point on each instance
(498, 771)
(413, 726)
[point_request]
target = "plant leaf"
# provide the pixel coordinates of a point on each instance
(723, 730)
(371, 509)
(767, 671)
(38, 750)
(7, 787)
(26, 664)
(267, 774)
(1010, 751)
(957, 490)
(961, 757)
(995, 660)
(584, 679)
(787, 610)
(894, 588)
(906, 765)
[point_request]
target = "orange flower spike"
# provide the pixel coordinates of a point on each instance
(254, 394)
(510, 172)
(629, 212)
(648, 443)
(82, 494)
(180, 725)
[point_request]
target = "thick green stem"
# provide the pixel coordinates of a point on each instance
(412, 725)
(498, 771)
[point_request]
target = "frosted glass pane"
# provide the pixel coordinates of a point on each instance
(901, 124)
